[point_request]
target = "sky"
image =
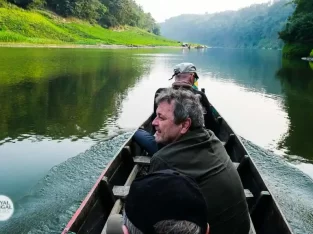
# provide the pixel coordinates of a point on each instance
(164, 9)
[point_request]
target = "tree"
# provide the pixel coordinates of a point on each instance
(157, 30)
(299, 28)
(21, 3)
(253, 27)
(107, 13)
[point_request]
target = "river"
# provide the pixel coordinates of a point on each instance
(65, 112)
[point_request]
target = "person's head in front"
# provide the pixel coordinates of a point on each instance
(185, 75)
(165, 202)
(178, 112)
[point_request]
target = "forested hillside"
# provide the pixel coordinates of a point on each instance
(83, 22)
(256, 26)
(107, 13)
(298, 32)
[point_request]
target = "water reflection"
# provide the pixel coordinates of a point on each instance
(296, 78)
(76, 91)
(55, 104)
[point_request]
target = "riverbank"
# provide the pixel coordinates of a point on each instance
(100, 46)
(27, 28)
(297, 50)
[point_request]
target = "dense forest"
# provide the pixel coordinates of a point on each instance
(107, 13)
(298, 32)
(256, 26)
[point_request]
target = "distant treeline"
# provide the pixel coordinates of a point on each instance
(107, 13)
(256, 26)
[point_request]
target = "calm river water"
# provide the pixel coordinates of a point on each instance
(65, 112)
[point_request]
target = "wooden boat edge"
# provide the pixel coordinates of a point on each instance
(276, 206)
(92, 190)
(275, 203)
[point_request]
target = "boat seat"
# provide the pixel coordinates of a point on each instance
(236, 164)
(117, 207)
(145, 161)
(252, 229)
(219, 119)
(122, 191)
(142, 160)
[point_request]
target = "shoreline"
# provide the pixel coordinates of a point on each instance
(69, 46)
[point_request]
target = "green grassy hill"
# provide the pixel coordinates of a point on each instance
(42, 27)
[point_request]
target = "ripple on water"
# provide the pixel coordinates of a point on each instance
(292, 189)
(51, 203)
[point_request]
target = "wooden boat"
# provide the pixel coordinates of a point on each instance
(310, 59)
(106, 196)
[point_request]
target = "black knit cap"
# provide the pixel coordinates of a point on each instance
(165, 195)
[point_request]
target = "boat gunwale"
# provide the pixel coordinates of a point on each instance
(275, 204)
(95, 186)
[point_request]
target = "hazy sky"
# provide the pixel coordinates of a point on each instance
(164, 9)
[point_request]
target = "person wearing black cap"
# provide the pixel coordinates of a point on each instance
(191, 149)
(163, 202)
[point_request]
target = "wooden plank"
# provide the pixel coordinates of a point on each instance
(248, 193)
(132, 175)
(236, 164)
(115, 210)
(118, 192)
(145, 161)
(142, 160)
(117, 207)
(252, 229)
(121, 191)
(219, 119)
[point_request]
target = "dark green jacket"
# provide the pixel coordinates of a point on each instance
(200, 155)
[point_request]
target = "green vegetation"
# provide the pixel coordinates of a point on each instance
(42, 27)
(311, 54)
(256, 26)
(298, 30)
(107, 13)
(89, 22)
(296, 50)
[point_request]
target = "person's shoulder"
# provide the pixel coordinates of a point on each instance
(195, 91)
(158, 162)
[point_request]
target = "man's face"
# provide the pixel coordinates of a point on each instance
(185, 78)
(166, 129)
